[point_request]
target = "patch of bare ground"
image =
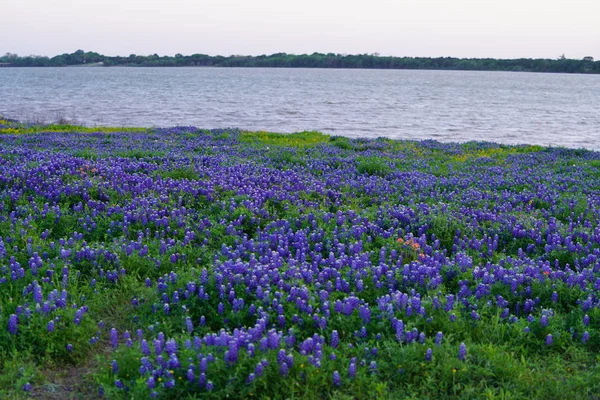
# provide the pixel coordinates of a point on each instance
(72, 382)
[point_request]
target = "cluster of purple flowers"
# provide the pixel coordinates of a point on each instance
(244, 254)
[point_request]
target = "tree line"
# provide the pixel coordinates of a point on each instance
(315, 60)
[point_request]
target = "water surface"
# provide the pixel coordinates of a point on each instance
(546, 109)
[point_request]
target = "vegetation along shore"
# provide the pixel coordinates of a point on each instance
(190, 263)
(585, 65)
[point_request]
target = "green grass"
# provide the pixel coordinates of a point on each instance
(298, 140)
(503, 361)
(179, 173)
(372, 166)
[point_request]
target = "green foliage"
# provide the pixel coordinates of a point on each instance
(341, 142)
(284, 158)
(314, 60)
(298, 140)
(15, 372)
(179, 173)
(444, 227)
(372, 166)
(503, 361)
(139, 154)
(86, 153)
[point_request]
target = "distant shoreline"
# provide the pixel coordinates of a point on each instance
(587, 65)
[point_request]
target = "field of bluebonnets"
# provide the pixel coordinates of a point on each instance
(188, 263)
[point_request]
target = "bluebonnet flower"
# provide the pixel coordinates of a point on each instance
(335, 339)
(283, 369)
(171, 347)
(12, 324)
(189, 325)
(114, 338)
(231, 355)
(352, 369)
(428, 354)
(462, 352)
(337, 379)
(150, 382)
(144, 347)
(259, 369)
(585, 337)
(549, 340)
(373, 366)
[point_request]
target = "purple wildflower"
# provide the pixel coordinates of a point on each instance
(189, 325)
(335, 339)
(283, 369)
(462, 352)
(150, 382)
(373, 366)
(337, 379)
(428, 354)
(171, 347)
(259, 369)
(12, 324)
(352, 370)
(585, 337)
(114, 338)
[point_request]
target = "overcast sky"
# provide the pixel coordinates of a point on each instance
(460, 28)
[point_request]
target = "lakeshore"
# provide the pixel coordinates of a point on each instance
(174, 262)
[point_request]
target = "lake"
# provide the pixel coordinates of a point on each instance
(505, 107)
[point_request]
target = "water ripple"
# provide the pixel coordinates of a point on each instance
(546, 109)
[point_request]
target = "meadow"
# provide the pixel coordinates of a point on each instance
(190, 263)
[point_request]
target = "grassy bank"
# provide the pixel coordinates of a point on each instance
(190, 263)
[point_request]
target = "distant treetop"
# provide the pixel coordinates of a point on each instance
(314, 60)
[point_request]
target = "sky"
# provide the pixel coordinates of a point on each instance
(427, 28)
